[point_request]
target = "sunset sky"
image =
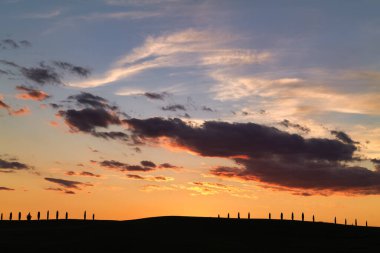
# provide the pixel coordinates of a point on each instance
(138, 108)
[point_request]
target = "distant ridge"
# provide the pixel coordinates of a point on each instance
(185, 234)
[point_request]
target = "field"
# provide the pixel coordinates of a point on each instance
(185, 234)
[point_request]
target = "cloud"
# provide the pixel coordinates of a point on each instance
(13, 112)
(86, 99)
(67, 183)
(44, 74)
(82, 173)
(119, 166)
(112, 135)
(210, 188)
(20, 112)
(2, 188)
(155, 96)
(41, 75)
(96, 113)
(86, 120)
(12, 44)
(3, 104)
(150, 178)
(186, 48)
(291, 96)
(60, 190)
(267, 155)
(31, 93)
(77, 70)
(148, 164)
(45, 15)
(168, 166)
(206, 109)
(12, 166)
(174, 108)
(342, 136)
(286, 123)
(152, 187)
(133, 15)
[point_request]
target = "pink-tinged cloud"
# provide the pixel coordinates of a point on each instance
(82, 173)
(54, 123)
(21, 112)
(29, 93)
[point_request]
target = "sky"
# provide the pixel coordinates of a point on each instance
(131, 109)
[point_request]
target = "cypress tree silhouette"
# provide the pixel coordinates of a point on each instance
(292, 216)
(334, 220)
(270, 216)
(66, 216)
(47, 215)
(313, 218)
(356, 222)
(345, 222)
(10, 216)
(238, 215)
(93, 216)
(19, 215)
(1, 216)
(218, 216)
(84, 215)
(29, 217)
(249, 216)
(303, 217)
(228, 215)
(56, 215)
(282, 216)
(38, 215)
(366, 224)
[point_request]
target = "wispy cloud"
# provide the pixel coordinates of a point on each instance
(44, 15)
(189, 47)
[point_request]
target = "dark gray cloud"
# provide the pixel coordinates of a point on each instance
(207, 109)
(43, 73)
(3, 72)
(268, 155)
(86, 120)
(95, 112)
(286, 123)
(155, 96)
(25, 43)
(31, 93)
(236, 139)
(67, 183)
(12, 166)
(60, 190)
(13, 44)
(148, 164)
(3, 188)
(86, 99)
(174, 108)
(168, 166)
(342, 136)
(132, 176)
(112, 135)
(112, 164)
(77, 70)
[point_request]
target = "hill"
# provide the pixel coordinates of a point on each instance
(185, 234)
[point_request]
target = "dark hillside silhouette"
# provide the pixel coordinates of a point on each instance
(186, 234)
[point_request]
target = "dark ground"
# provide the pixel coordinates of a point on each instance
(185, 234)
